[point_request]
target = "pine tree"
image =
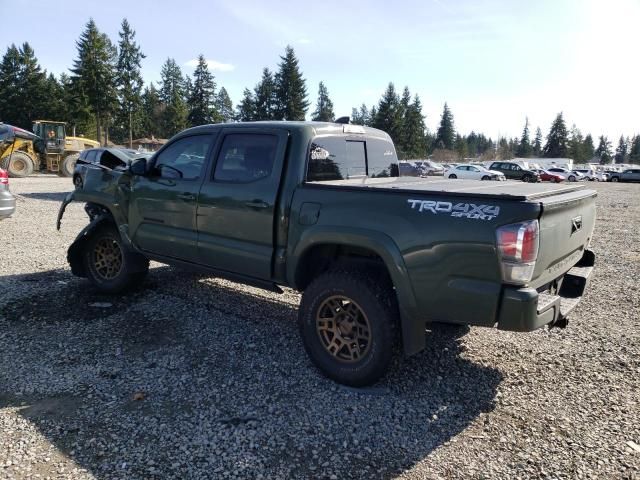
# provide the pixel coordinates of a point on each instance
(414, 129)
(634, 151)
(446, 135)
(129, 81)
(246, 111)
(556, 146)
(387, 116)
(265, 97)
(621, 151)
(324, 107)
(291, 90)
(10, 101)
(575, 146)
(524, 149)
(461, 147)
(201, 100)
(93, 74)
(224, 106)
(152, 109)
(172, 95)
(603, 152)
(537, 143)
(588, 149)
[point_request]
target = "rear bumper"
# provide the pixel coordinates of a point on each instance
(7, 204)
(525, 309)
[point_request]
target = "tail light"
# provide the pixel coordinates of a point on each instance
(518, 250)
(4, 177)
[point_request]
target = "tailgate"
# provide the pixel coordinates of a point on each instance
(566, 227)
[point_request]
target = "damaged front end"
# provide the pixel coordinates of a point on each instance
(106, 197)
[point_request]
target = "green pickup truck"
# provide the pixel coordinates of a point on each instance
(321, 208)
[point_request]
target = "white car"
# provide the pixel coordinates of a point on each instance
(592, 175)
(473, 172)
(571, 175)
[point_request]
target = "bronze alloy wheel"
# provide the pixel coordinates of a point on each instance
(343, 329)
(107, 258)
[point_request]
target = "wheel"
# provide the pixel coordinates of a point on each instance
(67, 165)
(528, 179)
(109, 266)
(18, 165)
(485, 177)
(554, 180)
(572, 178)
(453, 175)
(348, 321)
(77, 182)
(615, 179)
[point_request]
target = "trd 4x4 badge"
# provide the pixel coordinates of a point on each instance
(461, 210)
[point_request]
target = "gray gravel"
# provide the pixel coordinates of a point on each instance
(193, 377)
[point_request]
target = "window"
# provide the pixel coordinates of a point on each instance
(473, 169)
(462, 167)
(246, 157)
(516, 168)
(91, 156)
(184, 158)
(336, 158)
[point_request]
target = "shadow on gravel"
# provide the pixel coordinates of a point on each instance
(49, 196)
(191, 378)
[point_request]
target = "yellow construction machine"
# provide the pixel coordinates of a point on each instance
(46, 149)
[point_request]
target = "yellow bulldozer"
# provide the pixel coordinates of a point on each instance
(46, 149)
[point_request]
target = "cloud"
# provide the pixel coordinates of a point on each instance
(213, 65)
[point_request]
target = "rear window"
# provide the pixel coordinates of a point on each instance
(337, 158)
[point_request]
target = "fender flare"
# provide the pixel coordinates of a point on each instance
(412, 326)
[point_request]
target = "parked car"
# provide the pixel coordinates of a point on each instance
(7, 200)
(408, 169)
(273, 204)
(628, 175)
(514, 171)
(110, 158)
(430, 167)
(547, 176)
(570, 175)
(592, 175)
(473, 172)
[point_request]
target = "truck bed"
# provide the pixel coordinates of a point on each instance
(512, 190)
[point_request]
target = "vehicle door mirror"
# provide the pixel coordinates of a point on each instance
(138, 166)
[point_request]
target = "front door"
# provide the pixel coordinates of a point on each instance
(236, 206)
(163, 204)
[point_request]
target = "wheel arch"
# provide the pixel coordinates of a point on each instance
(322, 247)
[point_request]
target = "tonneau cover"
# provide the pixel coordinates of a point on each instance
(513, 190)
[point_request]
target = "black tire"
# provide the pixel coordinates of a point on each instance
(453, 175)
(104, 270)
(77, 182)
(68, 164)
(485, 177)
(615, 179)
(18, 165)
(366, 292)
(572, 178)
(529, 179)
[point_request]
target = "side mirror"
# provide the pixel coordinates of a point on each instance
(138, 166)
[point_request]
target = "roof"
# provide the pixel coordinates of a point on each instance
(318, 128)
(50, 121)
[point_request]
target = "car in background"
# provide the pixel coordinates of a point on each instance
(514, 171)
(592, 175)
(473, 172)
(408, 169)
(547, 176)
(628, 175)
(570, 175)
(429, 167)
(101, 158)
(7, 200)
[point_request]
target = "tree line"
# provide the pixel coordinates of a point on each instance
(105, 97)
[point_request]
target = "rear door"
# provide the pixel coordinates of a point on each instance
(236, 206)
(163, 203)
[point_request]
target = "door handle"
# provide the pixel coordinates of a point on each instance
(257, 204)
(187, 197)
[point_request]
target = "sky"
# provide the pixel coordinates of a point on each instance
(494, 62)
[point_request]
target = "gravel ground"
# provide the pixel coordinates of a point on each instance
(193, 377)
